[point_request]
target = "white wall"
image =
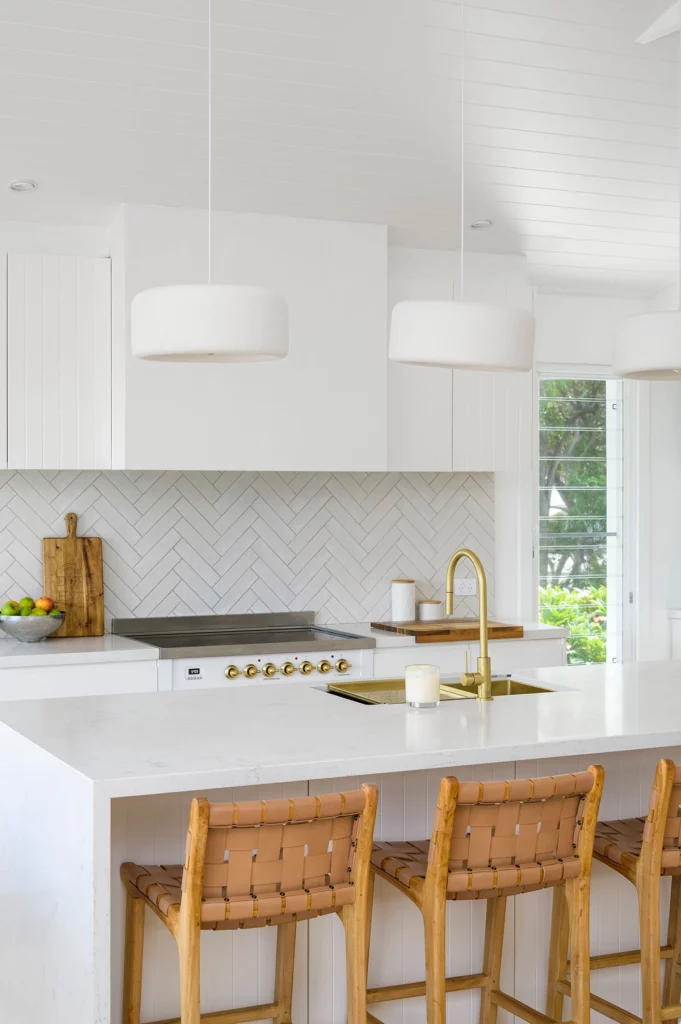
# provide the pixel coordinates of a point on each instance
(57, 239)
(579, 328)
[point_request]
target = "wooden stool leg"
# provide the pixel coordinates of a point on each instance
(649, 925)
(577, 891)
(355, 921)
(434, 918)
(283, 982)
(134, 946)
(371, 881)
(558, 953)
(672, 967)
(491, 966)
(189, 946)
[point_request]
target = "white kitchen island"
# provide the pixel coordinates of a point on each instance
(90, 782)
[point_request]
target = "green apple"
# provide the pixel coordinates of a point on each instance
(9, 608)
(26, 611)
(55, 611)
(27, 602)
(38, 611)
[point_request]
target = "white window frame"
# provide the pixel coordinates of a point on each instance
(631, 553)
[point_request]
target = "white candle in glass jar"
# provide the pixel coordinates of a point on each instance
(422, 685)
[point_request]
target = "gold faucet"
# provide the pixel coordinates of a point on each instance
(483, 677)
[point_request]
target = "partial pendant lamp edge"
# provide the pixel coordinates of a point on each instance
(211, 323)
(462, 335)
(648, 346)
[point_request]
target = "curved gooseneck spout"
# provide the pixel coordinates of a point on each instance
(483, 677)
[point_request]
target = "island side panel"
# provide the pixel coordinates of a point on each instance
(237, 968)
(47, 940)
(614, 912)
(405, 811)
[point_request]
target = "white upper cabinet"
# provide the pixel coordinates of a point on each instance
(58, 362)
(323, 407)
(454, 420)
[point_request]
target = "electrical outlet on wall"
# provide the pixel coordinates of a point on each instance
(465, 587)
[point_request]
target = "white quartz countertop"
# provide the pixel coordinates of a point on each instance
(83, 650)
(531, 631)
(179, 741)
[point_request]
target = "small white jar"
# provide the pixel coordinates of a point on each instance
(422, 686)
(430, 611)
(403, 600)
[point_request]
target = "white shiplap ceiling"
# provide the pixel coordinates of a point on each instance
(350, 109)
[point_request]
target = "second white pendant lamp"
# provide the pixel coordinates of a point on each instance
(209, 323)
(457, 334)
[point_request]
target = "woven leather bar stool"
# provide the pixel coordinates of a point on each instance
(253, 864)
(643, 850)
(492, 840)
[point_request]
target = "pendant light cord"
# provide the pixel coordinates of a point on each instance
(463, 152)
(210, 138)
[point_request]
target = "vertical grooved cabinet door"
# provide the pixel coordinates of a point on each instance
(59, 362)
(3, 360)
(492, 421)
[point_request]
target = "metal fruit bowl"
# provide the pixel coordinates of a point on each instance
(29, 629)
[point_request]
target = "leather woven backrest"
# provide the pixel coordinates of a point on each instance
(523, 821)
(281, 846)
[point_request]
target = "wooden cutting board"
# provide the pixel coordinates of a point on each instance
(446, 631)
(72, 577)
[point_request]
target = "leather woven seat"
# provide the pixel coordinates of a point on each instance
(619, 841)
(266, 863)
(508, 838)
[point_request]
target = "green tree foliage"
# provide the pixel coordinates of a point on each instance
(573, 510)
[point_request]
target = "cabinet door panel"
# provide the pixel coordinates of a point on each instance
(59, 362)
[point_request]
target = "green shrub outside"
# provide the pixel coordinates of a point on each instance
(584, 613)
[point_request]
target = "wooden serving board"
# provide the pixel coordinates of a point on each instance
(445, 631)
(72, 577)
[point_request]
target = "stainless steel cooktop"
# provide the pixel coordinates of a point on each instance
(212, 636)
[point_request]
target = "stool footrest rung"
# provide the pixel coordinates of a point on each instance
(601, 1005)
(411, 989)
(672, 1012)
(268, 1011)
(602, 961)
(519, 1009)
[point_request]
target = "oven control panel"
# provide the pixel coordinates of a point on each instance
(313, 669)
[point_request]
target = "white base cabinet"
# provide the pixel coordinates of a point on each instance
(86, 680)
(506, 655)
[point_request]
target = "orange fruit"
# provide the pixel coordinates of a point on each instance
(45, 604)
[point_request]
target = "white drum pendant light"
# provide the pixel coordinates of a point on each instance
(456, 334)
(209, 323)
(648, 345)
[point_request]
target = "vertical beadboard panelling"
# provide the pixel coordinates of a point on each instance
(59, 362)
(3, 360)
(492, 421)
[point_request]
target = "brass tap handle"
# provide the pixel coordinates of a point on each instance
(269, 670)
(288, 668)
(250, 671)
(232, 672)
(306, 667)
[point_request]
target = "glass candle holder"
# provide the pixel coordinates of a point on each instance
(422, 686)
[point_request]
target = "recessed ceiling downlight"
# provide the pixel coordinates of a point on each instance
(23, 185)
(480, 225)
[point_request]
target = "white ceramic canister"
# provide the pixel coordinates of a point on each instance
(403, 600)
(430, 611)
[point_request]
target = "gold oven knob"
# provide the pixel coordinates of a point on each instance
(269, 670)
(232, 672)
(250, 671)
(288, 668)
(342, 665)
(324, 667)
(306, 667)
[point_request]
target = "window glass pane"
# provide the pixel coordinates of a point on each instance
(580, 514)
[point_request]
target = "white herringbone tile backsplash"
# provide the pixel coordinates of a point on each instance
(196, 543)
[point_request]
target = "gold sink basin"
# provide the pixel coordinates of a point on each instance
(391, 691)
(500, 688)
